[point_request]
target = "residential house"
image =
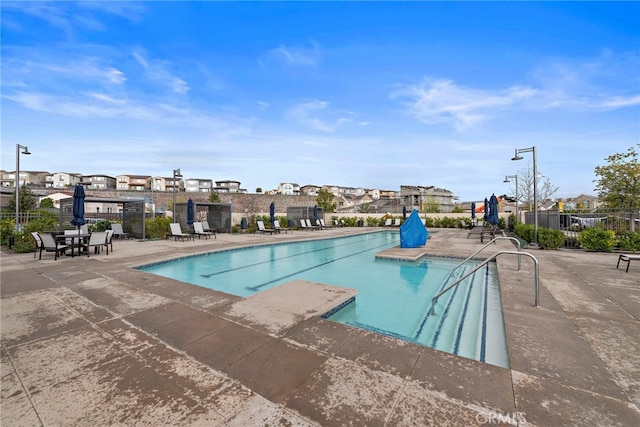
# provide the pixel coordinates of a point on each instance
(98, 182)
(62, 180)
(289, 189)
(309, 190)
(198, 185)
(133, 182)
(228, 186)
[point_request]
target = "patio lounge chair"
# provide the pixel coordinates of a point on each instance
(262, 229)
(309, 225)
(199, 231)
(388, 222)
(627, 258)
(324, 225)
(49, 244)
(176, 232)
(276, 226)
(205, 227)
(118, 232)
(397, 222)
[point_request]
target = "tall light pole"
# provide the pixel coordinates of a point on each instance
(25, 150)
(506, 179)
(535, 186)
(176, 174)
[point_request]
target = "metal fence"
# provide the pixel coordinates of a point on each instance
(571, 223)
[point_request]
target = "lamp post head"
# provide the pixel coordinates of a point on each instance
(517, 156)
(506, 180)
(26, 151)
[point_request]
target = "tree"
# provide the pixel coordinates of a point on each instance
(432, 205)
(324, 199)
(525, 188)
(47, 202)
(364, 207)
(618, 185)
(27, 200)
(259, 190)
(214, 197)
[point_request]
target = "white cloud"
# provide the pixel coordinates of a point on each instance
(158, 71)
(442, 101)
(316, 115)
(621, 102)
(297, 56)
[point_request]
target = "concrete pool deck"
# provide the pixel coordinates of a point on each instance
(92, 341)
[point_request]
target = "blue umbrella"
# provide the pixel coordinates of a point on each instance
(78, 206)
(190, 215)
(492, 217)
(315, 213)
(485, 217)
(272, 212)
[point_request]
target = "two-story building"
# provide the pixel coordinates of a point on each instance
(198, 185)
(289, 188)
(419, 197)
(63, 180)
(228, 186)
(98, 182)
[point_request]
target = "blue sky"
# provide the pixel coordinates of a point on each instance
(360, 94)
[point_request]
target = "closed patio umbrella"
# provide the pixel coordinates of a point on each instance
(190, 214)
(492, 217)
(404, 212)
(473, 210)
(272, 212)
(315, 213)
(485, 217)
(78, 207)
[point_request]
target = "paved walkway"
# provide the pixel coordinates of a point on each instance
(92, 341)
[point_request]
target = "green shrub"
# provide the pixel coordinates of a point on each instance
(7, 229)
(100, 226)
(548, 238)
(629, 241)
(596, 239)
(374, 222)
(157, 228)
(526, 232)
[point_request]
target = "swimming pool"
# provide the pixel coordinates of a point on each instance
(394, 297)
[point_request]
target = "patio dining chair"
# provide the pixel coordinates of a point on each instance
(38, 242)
(97, 240)
(49, 244)
(109, 244)
(118, 231)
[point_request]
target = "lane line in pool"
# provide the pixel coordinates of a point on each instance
(483, 342)
(269, 261)
(428, 312)
(436, 336)
(463, 316)
(257, 287)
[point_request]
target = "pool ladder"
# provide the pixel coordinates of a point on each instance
(485, 262)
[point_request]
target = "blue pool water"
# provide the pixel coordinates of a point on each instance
(394, 297)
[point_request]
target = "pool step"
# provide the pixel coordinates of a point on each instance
(465, 318)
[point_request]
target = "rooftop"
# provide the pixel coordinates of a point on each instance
(95, 341)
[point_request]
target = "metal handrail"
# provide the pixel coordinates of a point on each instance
(482, 248)
(482, 264)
